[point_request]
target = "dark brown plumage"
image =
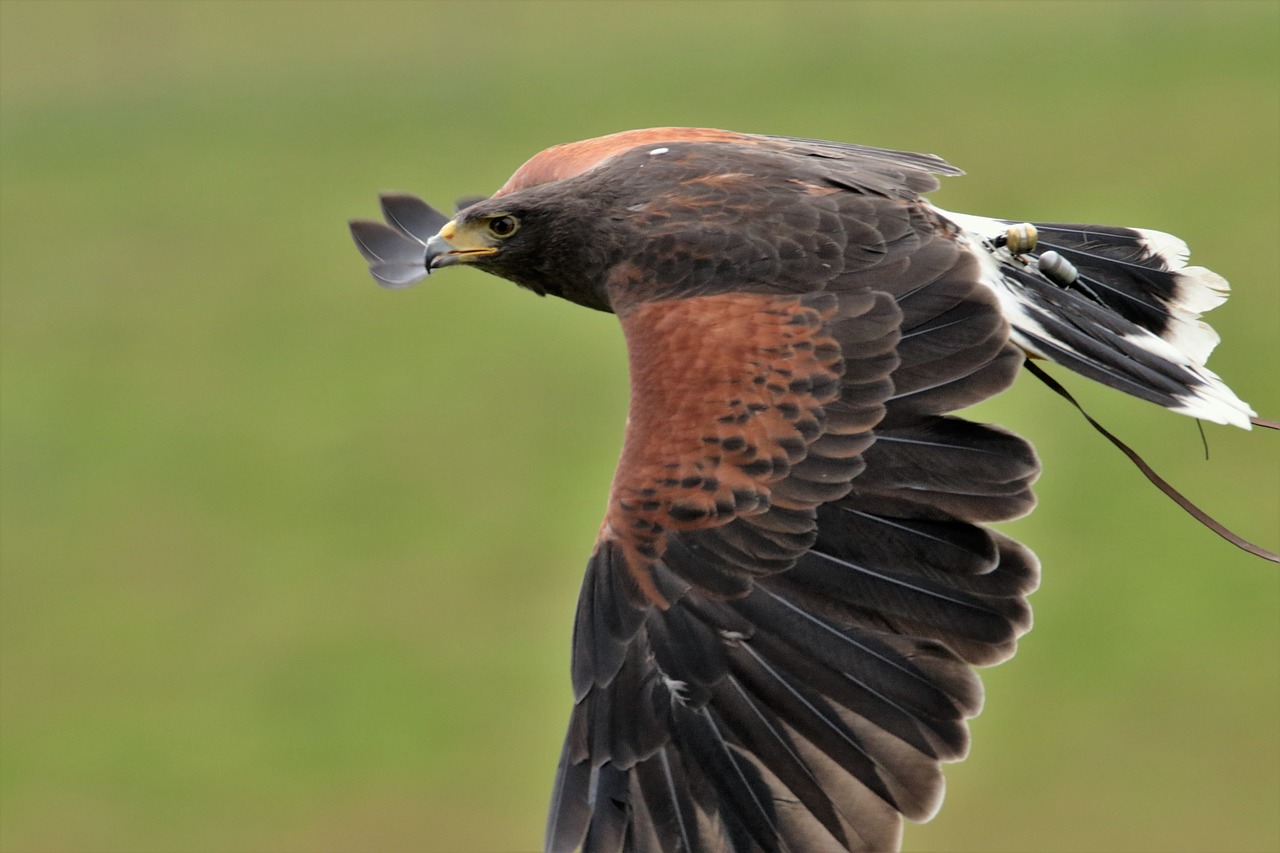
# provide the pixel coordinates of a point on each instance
(775, 634)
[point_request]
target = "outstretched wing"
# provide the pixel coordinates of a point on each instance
(774, 636)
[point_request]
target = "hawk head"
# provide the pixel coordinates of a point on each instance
(528, 238)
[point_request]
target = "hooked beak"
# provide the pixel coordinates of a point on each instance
(449, 247)
(415, 239)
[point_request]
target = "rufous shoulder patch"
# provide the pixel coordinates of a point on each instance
(727, 393)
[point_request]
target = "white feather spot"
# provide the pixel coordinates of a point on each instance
(679, 689)
(659, 151)
(1200, 290)
(1212, 400)
(1168, 248)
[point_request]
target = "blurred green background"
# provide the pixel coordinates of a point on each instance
(289, 561)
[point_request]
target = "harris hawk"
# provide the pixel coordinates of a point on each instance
(775, 637)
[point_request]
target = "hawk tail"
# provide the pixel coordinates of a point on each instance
(1117, 305)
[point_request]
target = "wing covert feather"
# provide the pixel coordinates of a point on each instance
(729, 397)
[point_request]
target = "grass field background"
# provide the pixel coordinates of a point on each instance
(289, 561)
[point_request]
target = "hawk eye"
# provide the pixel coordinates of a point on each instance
(503, 226)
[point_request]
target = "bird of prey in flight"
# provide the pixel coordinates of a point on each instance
(794, 578)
